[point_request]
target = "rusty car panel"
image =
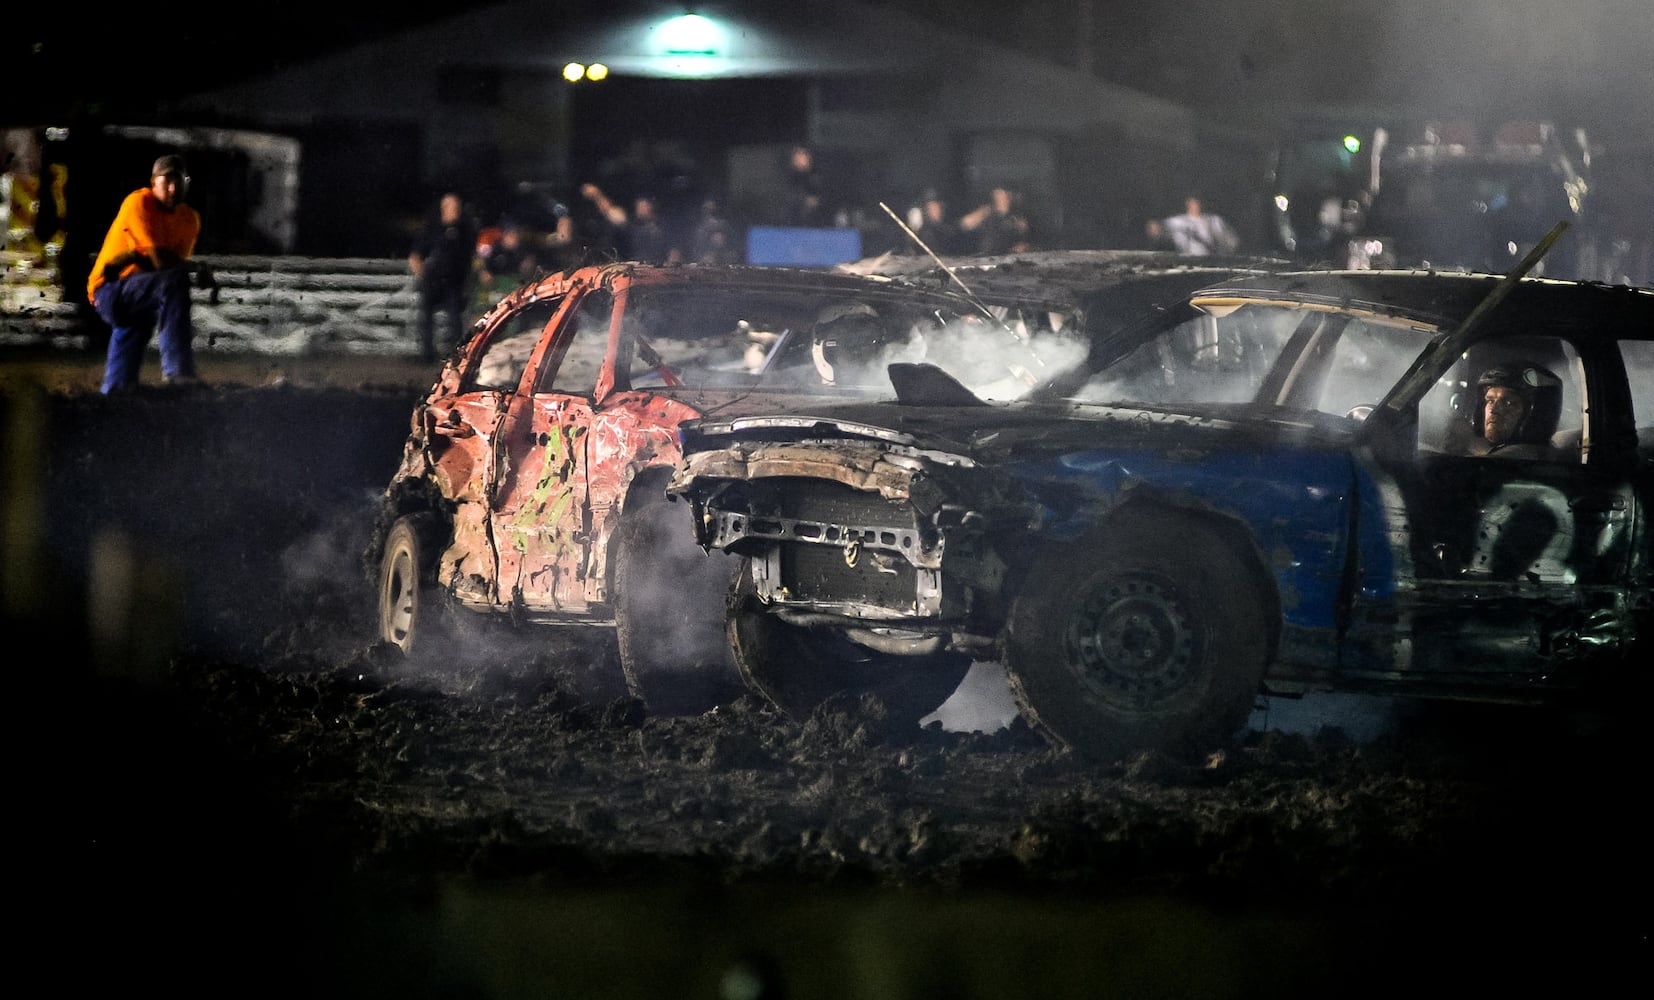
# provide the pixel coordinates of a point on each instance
(532, 482)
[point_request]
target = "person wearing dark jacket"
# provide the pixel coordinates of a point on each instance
(1000, 225)
(805, 205)
(441, 261)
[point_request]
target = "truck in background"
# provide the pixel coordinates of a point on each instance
(1457, 195)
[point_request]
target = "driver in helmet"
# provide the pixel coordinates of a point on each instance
(847, 343)
(1517, 409)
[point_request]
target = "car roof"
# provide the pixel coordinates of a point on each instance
(747, 276)
(775, 276)
(1068, 276)
(1447, 298)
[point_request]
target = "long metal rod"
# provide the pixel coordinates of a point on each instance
(939, 262)
(1500, 291)
(1508, 283)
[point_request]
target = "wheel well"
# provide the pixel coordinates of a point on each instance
(650, 477)
(408, 498)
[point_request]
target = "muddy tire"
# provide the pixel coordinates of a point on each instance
(670, 602)
(411, 615)
(1154, 638)
(798, 669)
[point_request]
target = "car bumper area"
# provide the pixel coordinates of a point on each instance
(831, 547)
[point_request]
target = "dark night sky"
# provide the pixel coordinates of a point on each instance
(97, 65)
(1247, 63)
(1585, 60)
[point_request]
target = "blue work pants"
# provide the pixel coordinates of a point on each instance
(135, 307)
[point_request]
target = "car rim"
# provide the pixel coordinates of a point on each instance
(399, 592)
(1133, 642)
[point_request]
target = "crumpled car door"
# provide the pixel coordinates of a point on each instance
(540, 515)
(463, 430)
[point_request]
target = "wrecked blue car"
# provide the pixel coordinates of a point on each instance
(1409, 483)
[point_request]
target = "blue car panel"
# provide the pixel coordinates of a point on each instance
(1402, 482)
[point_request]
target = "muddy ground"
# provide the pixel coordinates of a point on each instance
(243, 794)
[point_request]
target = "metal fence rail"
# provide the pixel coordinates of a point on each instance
(264, 305)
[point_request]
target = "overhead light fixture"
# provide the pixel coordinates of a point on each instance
(689, 34)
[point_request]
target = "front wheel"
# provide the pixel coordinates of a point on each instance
(1154, 638)
(798, 668)
(670, 601)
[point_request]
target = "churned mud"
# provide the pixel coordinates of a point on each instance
(244, 793)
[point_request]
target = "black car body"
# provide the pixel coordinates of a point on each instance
(1270, 484)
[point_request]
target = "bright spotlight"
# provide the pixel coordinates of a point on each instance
(573, 72)
(690, 34)
(596, 71)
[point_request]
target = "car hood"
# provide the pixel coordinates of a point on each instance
(1000, 432)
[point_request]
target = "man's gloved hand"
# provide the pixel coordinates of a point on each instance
(112, 270)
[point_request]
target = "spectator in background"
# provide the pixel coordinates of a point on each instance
(714, 238)
(441, 260)
(641, 234)
(1199, 233)
(505, 265)
(1155, 236)
(607, 227)
(647, 237)
(555, 242)
(805, 204)
(999, 226)
(560, 247)
(929, 221)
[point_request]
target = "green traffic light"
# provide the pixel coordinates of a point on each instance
(1352, 144)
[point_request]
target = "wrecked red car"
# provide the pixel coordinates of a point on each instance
(532, 483)
(1406, 483)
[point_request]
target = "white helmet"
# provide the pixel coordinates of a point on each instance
(846, 335)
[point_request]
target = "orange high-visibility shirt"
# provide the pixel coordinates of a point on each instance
(143, 225)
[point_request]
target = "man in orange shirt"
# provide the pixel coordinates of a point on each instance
(140, 281)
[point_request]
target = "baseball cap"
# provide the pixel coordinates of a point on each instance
(171, 163)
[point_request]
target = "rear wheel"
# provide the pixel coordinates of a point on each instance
(1154, 638)
(670, 602)
(798, 668)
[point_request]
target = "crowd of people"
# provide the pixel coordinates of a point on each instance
(594, 224)
(140, 282)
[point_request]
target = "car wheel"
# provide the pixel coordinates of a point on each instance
(409, 604)
(1155, 638)
(671, 598)
(798, 668)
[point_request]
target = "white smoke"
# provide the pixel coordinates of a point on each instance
(1000, 362)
